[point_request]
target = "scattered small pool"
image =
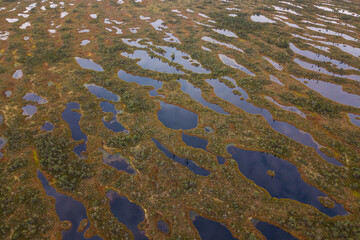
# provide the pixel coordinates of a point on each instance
(232, 63)
(355, 119)
(18, 74)
(114, 125)
(101, 92)
(261, 19)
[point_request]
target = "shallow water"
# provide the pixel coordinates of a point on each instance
(191, 165)
(67, 209)
(316, 68)
(272, 232)
(128, 213)
(226, 93)
(151, 63)
(18, 74)
(143, 81)
(196, 94)
(319, 57)
(214, 41)
(184, 59)
(261, 19)
(273, 63)
(287, 182)
(355, 119)
(232, 63)
(225, 32)
(331, 91)
(101, 92)
(275, 80)
(118, 162)
(209, 229)
(73, 119)
(287, 108)
(34, 98)
(89, 64)
(176, 117)
(194, 141)
(29, 110)
(330, 32)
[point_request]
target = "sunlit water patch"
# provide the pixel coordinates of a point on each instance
(261, 19)
(275, 80)
(89, 64)
(128, 213)
(225, 32)
(211, 40)
(273, 63)
(287, 182)
(232, 63)
(29, 110)
(101, 92)
(151, 63)
(355, 119)
(34, 98)
(190, 164)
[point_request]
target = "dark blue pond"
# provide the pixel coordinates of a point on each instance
(176, 117)
(113, 124)
(73, 119)
(101, 92)
(118, 162)
(194, 141)
(287, 182)
(68, 209)
(191, 165)
(226, 93)
(128, 213)
(143, 81)
(195, 93)
(48, 126)
(272, 232)
(209, 229)
(163, 226)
